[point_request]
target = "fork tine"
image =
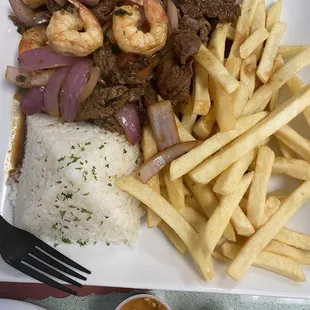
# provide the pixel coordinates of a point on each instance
(54, 263)
(45, 268)
(49, 250)
(42, 278)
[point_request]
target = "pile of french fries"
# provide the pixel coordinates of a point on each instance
(213, 201)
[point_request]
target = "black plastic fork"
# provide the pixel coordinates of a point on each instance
(30, 255)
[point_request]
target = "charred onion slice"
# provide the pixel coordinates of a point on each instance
(72, 88)
(33, 101)
(41, 78)
(161, 118)
(90, 2)
(13, 75)
(42, 18)
(52, 90)
(22, 12)
(173, 15)
(156, 163)
(91, 84)
(128, 118)
(43, 58)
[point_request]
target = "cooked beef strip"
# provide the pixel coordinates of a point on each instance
(173, 80)
(110, 123)
(103, 10)
(117, 68)
(223, 10)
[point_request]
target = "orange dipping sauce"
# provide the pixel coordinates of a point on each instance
(144, 303)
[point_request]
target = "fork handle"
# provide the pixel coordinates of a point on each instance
(4, 227)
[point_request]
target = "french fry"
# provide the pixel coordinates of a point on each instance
(240, 99)
(196, 220)
(149, 148)
(259, 20)
(224, 110)
(253, 42)
(189, 161)
(248, 74)
(287, 111)
(243, 27)
(243, 204)
(270, 51)
(295, 168)
(293, 238)
(220, 218)
(287, 51)
(233, 66)
(175, 190)
(285, 150)
(294, 140)
(188, 118)
(262, 96)
(267, 260)
(241, 223)
(231, 33)
(192, 202)
(201, 97)
(216, 44)
(183, 133)
(219, 256)
(216, 70)
(277, 247)
(277, 194)
(278, 63)
(274, 14)
(173, 237)
(271, 206)
(172, 217)
(229, 180)
(203, 127)
(295, 84)
(258, 189)
(266, 233)
(208, 202)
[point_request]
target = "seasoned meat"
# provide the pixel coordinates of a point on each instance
(119, 68)
(173, 80)
(110, 123)
(21, 28)
(105, 102)
(150, 97)
(185, 44)
(223, 10)
(103, 10)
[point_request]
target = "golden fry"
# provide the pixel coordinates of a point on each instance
(294, 238)
(266, 233)
(295, 168)
(184, 135)
(248, 75)
(274, 14)
(196, 220)
(202, 129)
(287, 51)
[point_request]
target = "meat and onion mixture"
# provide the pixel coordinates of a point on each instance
(107, 61)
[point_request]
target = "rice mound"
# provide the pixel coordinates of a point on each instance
(67, 192)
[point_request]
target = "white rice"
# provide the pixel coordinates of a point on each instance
(66, 191)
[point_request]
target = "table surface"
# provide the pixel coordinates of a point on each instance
(177, 301)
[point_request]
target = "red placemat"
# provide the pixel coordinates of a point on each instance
(37, 291)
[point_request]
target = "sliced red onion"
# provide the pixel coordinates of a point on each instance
(129, 119)
(13, 75)
(72, 88)
(173, 15)
(22, 12)
(91, 84)
(43, 58)
(41, 78)
(33, 101)
(156, 163)
(42, 18)
(52, 90)
(90, 2)
(161, 118)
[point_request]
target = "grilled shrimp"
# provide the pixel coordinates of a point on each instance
(132, 40)
(64, 31)
(33, 38)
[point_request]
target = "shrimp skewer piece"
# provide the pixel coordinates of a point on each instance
(33, 38)
(132, 40)
(64, 31)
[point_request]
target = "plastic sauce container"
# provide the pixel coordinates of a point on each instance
(143, 302)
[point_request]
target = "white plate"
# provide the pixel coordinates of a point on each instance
(8, 304)
(155, 264)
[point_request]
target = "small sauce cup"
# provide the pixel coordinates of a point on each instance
(143, 302)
